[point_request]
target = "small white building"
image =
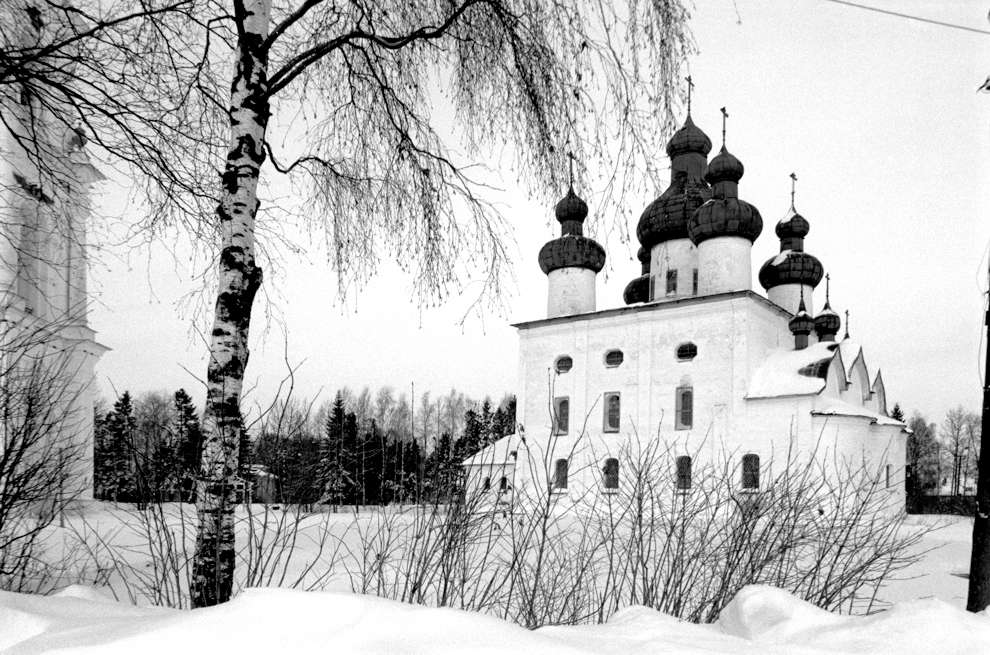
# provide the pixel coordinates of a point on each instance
(696, 359)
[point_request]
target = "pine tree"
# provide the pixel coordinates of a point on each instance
(897, 413)
(189, 444)
(120, 425)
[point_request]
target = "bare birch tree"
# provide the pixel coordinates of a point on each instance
(346, 104)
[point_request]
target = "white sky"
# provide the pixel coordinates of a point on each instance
(878, 116)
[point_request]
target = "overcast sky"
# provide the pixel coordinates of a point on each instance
(879, 117)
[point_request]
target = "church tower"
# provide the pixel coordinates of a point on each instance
(663, 227)
(793, 273)
(572, 261)
(47, 347)
(724, 227)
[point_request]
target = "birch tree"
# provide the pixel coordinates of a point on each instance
(375, 115)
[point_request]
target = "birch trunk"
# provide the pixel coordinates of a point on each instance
(239, 279)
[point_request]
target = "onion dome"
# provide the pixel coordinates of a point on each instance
(827, 322)
(801, 326)
(638, 290)
(689, 138)
(725, 167)
(666, 218)
(725, 215)
(792, 265)
(572, 249)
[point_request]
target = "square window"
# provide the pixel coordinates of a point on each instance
(560, 474)
(751, 471)
(612, 412)
(694, 282)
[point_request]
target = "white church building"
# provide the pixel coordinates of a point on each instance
(695, 358)
(47, 349)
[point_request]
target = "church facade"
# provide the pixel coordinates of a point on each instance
(696, 358)
(48, 351)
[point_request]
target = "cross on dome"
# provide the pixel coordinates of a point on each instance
(690, 87)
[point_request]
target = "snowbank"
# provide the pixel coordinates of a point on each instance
(759, 620)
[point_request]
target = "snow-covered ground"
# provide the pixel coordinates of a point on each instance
(927, 618)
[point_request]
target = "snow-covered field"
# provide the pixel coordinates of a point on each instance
(927, 617)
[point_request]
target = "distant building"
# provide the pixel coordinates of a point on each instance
(696, 358)
(45, 180)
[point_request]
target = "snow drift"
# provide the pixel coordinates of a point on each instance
(758, 620)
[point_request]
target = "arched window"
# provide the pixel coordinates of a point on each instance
(612, 412)
(503, 485)
(613, 358)
(563, 364)
(684, 415)
(751, 471)
(611, 471)
(486, 484)
(560, 474)
(683, 465)
(561, 411)
(671, 282)
(686, 352)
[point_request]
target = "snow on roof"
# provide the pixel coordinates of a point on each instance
(793, 372)
(499, 452)
(836, 407)
(780, 258)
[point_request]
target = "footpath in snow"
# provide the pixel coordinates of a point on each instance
(759, 620)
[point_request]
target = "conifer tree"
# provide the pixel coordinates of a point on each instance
(189, 444)
(120, 425)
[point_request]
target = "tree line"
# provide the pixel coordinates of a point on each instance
(942, 459)
(358, 449)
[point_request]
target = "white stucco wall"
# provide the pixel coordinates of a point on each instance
(570, 291)
(724, 265)
(679, 255)
(788, 296)
(733, 335)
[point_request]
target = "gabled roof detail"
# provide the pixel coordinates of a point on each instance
(503, 452)
(836, 407)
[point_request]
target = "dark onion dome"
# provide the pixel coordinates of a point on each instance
(802, 323)
(724, 168)
(792, 226)
(571, 249)
(571, 212)
(689, 138)
(725, 217)
(827, 324)
(667, 217)
(791, 267)
(638, 290)
(724, 214)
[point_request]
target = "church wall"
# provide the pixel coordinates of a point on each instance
(678, 255)
(724, 265)
(570, 290)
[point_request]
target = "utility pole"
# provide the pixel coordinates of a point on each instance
(979, 563)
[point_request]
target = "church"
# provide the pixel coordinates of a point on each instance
(695, 358)
(48, 352)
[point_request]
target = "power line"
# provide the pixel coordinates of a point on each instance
(909, 16)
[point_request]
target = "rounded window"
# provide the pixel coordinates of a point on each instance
(563, 364)
(687, 351)
(614, 358)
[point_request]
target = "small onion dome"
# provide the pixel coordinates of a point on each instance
(791, 267)
(643, 255)
(827, 324)
(792, 226)
(802, 323)
(572, 251)
(725, 167)
(689, 138)
(667, 217)
(725, 217)
(638, 290)
(571, 212)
